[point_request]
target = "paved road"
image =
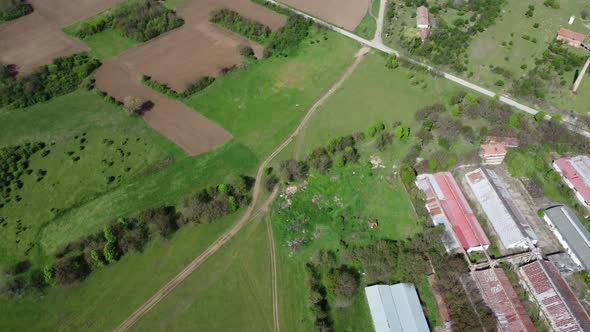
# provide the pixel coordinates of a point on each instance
(377, 44)
(223, 239)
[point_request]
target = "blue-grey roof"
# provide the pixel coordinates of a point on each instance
(572, 231)
(396, 308)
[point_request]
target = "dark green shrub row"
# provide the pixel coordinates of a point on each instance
(233, 21)
(140, 20)
(11, 9)
(288, 37)
(193, 88)
(62, 76)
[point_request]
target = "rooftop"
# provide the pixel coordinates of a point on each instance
(572, 231)
(554, 296)
(509, 142)
(396, 308)
(442, 191)
(499, 295)
(577, 171)
(505, 226)
(492, 149)
(569, 34)
(422, 15)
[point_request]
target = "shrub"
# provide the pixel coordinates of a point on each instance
(11, 9)
(70, 269)
(539, 116)
(133, 105)
(145, 19)
(233, 21)
(391, 62)
(345, 282)
(288, 37)
(110, 252)
(552, 4)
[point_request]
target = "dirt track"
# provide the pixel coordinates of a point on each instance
(222, 240)
(344, 13)
(36, 39)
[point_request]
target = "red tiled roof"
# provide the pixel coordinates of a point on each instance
(461, 218)
(492, 149)
(422, 15)
(509, 142)
(569, 34)
(570, 173)
(424, 33)
(499, 295)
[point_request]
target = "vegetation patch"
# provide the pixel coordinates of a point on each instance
(233, 21)
(12, 9)
(193, 88)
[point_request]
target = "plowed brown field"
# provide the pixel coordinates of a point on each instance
(344, 13)
(36, 39)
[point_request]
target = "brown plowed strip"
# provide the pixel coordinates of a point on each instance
(190, 130)
(198, 48)
(222, 240)
(67, 12)
(343, 13)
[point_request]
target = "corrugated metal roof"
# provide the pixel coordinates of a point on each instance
(555, 298)
(505, 226)
(396, 308)
(577, 171)
(572, 232)
(499, 295)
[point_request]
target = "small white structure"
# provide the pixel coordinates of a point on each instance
(396, 308)
(571, 21)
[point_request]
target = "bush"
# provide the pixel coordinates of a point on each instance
(163, 218)
(288, 37)
(143, 20)
(70, 269)
(233, 21)
(391, 62)
(552, 4)
(345, 282)
(12, 9)
(133, 105)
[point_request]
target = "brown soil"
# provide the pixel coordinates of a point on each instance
(344, 13)
(37, 39)
(190, 130)
(198, 48)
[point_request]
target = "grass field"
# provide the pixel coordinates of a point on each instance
(229, 292)
(76, 128)
(366, 28)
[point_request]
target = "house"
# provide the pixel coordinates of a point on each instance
(498, 294)
(510, 233)
(556, 300)
(572, 38)
(492, 153)
(570, 232)
(422, 22)
(508, 142)
(575, 172)
(447, 206)
(396, 308)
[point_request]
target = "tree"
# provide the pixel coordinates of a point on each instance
(96, 259)
(391, 62)
(110, 252)
(514, 120)
(402, 131)
(345, 283)
(49, 274)
(133, 105)
(539, 116)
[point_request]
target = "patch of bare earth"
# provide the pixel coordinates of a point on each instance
(188, 129)
(344, 13)
(36, 39)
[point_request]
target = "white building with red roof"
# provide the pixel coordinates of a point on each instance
(492, 153)
(448, 207)
(422, 22)
(575, 172)
(572, 38)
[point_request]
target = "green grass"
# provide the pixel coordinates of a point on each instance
(428, 303)
(367, 27)
(375, 7)
(229, 292)
(109, 295)
(63, 124)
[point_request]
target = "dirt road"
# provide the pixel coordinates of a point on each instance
(192, 266)
(276, 322)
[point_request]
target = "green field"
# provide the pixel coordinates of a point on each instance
(366, 28)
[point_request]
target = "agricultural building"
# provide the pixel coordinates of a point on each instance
(492, 153)
(508, 142)
(498, 214)
(448, 207)
(396, 308)
(498, 294)
(556, 300)
(575, 172)
(571, 234)
(422, 22)
(572, 38)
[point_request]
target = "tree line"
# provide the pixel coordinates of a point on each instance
(192, 88)
(248, 28)
(12, 9)
(62, 76)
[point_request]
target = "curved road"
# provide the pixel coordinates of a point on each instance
(377, 44)
(192, 266)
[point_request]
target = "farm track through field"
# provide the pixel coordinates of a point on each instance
(273, 270)
(223, 239)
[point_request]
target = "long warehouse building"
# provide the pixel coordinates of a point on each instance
(498, 294)
(396, 308)
(554, 297)
(448, 207)
(570, 232)
(510, 233)
(575, 172)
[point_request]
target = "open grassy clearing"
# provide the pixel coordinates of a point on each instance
(231, 291)
(93, 148)
(109, 295)
(366, 28)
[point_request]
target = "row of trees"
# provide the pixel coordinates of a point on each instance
(192, 88)
(11, 9)
(248, 28)
(62, 76)
(141, 20)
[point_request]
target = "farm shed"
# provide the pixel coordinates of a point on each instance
(557, 302)
(448, 206)
(498, 294)
(572, 38)
(571, 234)
(498, 214)
(492, 153)
(396, 308)
(575, 172)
